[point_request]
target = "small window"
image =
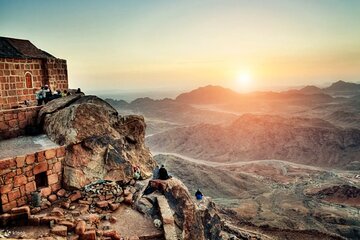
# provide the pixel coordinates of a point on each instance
(28, 80)
(41, 180)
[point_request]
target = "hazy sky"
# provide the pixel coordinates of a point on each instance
(148, 45)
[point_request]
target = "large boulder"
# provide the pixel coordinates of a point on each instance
(100, 144)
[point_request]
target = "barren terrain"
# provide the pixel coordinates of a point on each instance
(286, 164)
(276, 194)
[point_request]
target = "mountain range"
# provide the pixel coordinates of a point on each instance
(285, 164)
(255, 137)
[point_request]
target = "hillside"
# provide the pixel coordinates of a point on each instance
(276, 198)
(166, 114)
(345, 119)
(255, 137)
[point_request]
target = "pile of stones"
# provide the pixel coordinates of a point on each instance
(78, 214)
(99, 197)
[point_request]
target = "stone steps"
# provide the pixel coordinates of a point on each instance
(167, 218)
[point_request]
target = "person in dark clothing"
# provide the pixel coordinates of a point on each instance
(163, 174)
(78, 91)
(57, 94)
(198, 195)
(48, 94)
(40, 96)
(156, 172)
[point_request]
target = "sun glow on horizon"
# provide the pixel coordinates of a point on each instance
(244, 81)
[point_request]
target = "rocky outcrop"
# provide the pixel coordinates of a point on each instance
(339, 194)
(196, 219)
(344, 191)
(187, 214)
(100, 144)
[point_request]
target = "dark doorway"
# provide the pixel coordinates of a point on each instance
(41, 180)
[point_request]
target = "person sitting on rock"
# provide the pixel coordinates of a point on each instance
(163, 174)
(78, 91)
(47, 94)
(137, 173)
(57, 94)
(65, 93)
(199, 195)
(156, 172)
(40, 96)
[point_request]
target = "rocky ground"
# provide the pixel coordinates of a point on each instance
(277, 197)
(102, 209)
(109, 210)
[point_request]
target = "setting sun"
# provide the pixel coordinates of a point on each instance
(243, 81)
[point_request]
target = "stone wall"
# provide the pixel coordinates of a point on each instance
(13, 88)
(14, 122)
(18, 174)
(57, 74)
(12, 78)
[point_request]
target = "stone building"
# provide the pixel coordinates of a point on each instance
(24, 69)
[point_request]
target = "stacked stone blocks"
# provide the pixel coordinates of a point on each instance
(17, 176)
(57, 74)
(14, 122)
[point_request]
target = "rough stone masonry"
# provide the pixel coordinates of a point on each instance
(21, 175)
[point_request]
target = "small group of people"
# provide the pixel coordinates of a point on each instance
(45, 95)
(162, 174)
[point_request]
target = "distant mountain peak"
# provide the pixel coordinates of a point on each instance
(344, 86)
(310, 89)
(208, 94)
(212, 88)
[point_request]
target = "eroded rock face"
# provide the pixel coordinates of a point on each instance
(197, 220)
(100, 144)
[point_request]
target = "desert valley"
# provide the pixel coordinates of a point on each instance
(279, 161)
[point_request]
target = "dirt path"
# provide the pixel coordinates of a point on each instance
(132, 223)
(283, 164)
